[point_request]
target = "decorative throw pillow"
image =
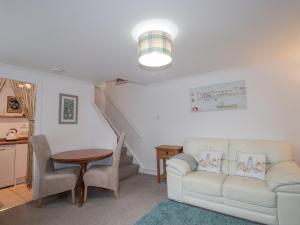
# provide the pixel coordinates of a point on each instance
(210, 161)
(251, 165)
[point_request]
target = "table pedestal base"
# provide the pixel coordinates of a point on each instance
(81, 182)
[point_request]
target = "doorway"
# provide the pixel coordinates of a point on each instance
(14, 131)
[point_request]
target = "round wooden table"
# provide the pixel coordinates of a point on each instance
(81, 157)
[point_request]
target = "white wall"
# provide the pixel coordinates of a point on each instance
(91, 131)
(163, 112)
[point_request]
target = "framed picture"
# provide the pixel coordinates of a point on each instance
(68, 109)
(223, 96)
(13, 105)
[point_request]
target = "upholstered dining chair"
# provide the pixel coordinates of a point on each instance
(52, 181)
(106, 177)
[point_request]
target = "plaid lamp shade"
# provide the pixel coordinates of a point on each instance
(158, 42)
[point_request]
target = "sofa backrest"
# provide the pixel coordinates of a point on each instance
(275, 151)
(194, 146)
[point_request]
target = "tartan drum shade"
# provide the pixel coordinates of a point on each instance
(155, 48)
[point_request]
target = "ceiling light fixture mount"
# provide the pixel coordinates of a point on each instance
(155, 42)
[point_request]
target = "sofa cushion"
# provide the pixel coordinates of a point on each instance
(251, 165)
(204, 182)
(249, 190)
(210, 161)
(194, 146)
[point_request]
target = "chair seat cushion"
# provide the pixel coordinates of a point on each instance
(68, 173)
(60, 180)
(97, 176)
(204, 182)
(249, 190)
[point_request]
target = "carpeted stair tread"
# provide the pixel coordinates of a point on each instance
(128, 170)
(124, 151)
(126, 160)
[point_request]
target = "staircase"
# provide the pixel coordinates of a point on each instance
(127, 168)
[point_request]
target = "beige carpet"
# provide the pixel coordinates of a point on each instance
(139, 194)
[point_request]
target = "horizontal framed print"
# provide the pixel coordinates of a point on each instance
(68, 109)
(223, 96)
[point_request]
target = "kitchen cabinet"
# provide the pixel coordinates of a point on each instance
(21, 163)
(13, 164)
(7, 165)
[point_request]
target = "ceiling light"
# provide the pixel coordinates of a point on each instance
(155, 24)
(155, 49)
(155, 42)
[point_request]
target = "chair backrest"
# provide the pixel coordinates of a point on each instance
(117, 153)
(42, 152)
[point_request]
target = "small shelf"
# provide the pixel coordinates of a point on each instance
(12, 117)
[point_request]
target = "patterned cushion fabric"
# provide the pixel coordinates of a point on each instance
(210, 161)
(251, 165)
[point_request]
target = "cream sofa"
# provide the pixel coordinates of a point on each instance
(273, 201)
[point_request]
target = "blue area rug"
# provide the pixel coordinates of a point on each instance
(174, 213)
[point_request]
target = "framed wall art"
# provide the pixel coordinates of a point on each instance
(13, 105)
(68, 109)
(222, 96)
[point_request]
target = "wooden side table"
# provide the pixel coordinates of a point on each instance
(165, 152)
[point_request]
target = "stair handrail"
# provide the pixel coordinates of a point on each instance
(115, 130)
(113, 127)
(122, 112)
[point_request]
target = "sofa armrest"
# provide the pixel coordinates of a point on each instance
(178, 167)
(284, 176)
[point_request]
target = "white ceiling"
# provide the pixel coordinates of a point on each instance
(91, 39)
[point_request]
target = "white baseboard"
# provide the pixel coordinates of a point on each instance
(148, 171)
